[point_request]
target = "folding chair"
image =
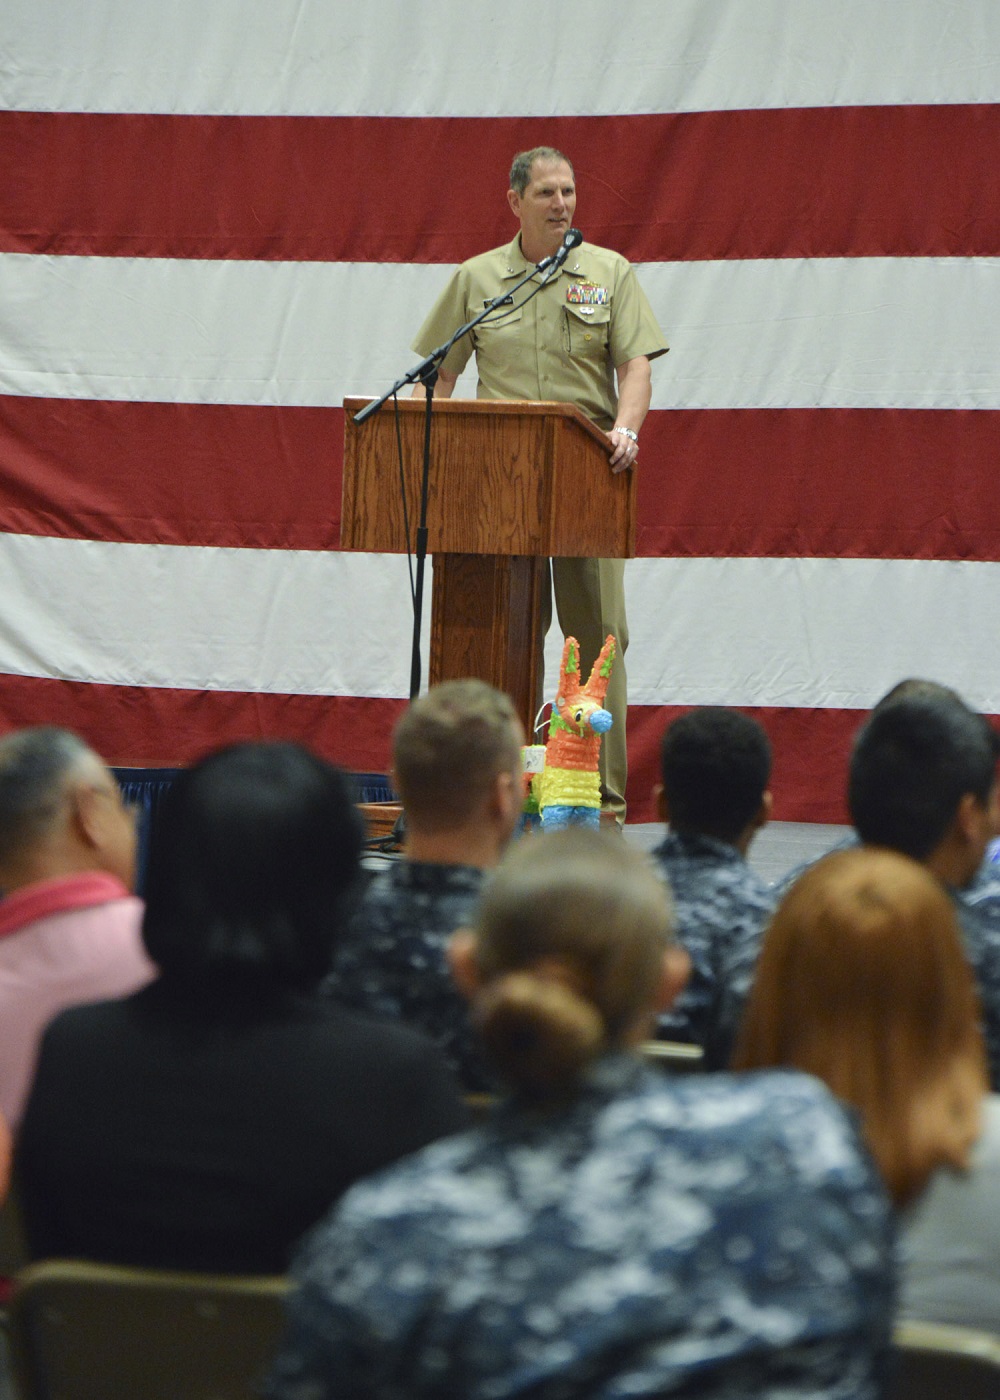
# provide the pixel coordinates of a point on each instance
(82, 1331)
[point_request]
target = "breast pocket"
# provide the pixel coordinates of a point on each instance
(503, 320)
(586, 329)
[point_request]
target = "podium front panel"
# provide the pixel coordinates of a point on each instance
(505, 478)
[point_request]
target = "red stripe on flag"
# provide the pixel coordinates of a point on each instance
(228, 475)
(137, 727)
(828, 483)
(919, 181)
(837, 483)
(129, 726)
(811, 750)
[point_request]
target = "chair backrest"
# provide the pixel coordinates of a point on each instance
(936, 1361)
(14, 1255)
(98, 1332)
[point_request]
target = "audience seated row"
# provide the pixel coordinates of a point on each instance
(921, 781)
(607, 1228)
(207, 1120)
(610, 1231)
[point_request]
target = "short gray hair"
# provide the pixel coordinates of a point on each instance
(34, 766)
(520, 170)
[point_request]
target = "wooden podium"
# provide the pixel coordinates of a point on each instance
(510, 485)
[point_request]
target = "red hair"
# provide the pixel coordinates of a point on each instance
(863, 981)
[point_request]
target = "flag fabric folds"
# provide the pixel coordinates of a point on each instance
(217, 222)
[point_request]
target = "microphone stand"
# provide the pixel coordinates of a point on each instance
(426, 373)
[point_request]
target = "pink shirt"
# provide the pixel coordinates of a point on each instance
(62, 942)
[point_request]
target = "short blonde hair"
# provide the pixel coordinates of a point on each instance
(570, 938)
(448, 748)
(863, 981)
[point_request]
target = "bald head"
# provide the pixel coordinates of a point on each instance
(60, 810)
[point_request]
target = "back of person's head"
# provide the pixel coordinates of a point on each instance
(254, 860)
(917, 685)
(449, 748)
(715, 767)
(59, 803)
(914, 759)
(863, 981)
(34, 767)
(569, 951)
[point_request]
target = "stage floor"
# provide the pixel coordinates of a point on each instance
(779, 848)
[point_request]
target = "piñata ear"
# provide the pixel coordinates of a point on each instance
(600, 673)
(570, 663)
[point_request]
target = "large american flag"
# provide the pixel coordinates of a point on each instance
(218, 220)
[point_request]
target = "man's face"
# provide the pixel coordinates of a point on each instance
(546, 208)
(111, 825)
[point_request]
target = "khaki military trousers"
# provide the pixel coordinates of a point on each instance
(590, 603)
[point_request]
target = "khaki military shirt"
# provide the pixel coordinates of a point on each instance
(564, 344)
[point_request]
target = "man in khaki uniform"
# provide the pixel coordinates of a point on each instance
(586, 338)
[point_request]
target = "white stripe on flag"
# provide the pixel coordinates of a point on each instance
(287, 621)
(810, 633)
(472, 58)
(782, 333)
(774, 632)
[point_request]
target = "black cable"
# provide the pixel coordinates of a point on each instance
(402, 493)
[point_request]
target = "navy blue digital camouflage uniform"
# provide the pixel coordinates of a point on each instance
(722, 908)
(391, 960)
(722, 1236)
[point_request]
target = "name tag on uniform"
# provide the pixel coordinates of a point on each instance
(587, 294)
(500, 301)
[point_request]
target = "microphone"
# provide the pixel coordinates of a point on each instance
(572, 238)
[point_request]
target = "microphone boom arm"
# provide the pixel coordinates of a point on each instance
(432, 363)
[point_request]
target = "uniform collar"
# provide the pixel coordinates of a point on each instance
(516, 264)
(45, 897)
(694, 843)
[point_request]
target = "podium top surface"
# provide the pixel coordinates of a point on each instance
(526, 408)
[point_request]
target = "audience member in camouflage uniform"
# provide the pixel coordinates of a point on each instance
(908, 794)
(610, 1232)
(457, 766)
(912, 685)
(923, 782)
(716, 764)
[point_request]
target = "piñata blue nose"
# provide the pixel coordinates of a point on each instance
(601, 721)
